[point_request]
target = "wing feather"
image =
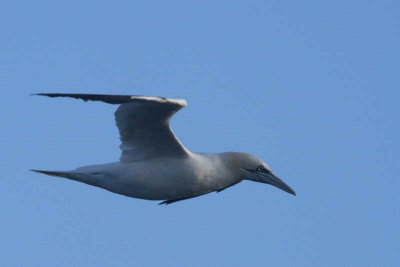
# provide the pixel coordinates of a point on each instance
(143, 124)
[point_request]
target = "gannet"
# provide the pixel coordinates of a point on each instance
(154, 164)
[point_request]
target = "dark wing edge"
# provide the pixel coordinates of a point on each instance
(127, 122)
(116, 99)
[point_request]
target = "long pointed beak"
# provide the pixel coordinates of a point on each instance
(274, 180)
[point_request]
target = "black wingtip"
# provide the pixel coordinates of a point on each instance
(57, 94)
(111, 99)
(119, 99)
(46, 94)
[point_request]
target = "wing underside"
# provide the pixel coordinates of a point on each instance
(143, 124)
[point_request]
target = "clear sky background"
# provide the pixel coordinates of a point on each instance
(312, 87)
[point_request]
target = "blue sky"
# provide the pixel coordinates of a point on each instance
(312, 87)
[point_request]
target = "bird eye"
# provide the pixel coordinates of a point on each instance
(261, 168)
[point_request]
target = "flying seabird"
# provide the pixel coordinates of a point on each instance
(154, 164)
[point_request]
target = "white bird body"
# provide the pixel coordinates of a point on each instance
(160, 178)
(154, 165)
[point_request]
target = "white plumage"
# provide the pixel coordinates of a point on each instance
(154, 164)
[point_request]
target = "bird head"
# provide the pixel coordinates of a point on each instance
(254, 169)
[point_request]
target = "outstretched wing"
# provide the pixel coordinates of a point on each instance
(143, 124)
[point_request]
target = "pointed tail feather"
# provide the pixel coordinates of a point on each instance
(75, 176)
(68, 175)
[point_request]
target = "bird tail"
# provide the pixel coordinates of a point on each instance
(87, 178)
(64, 174)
